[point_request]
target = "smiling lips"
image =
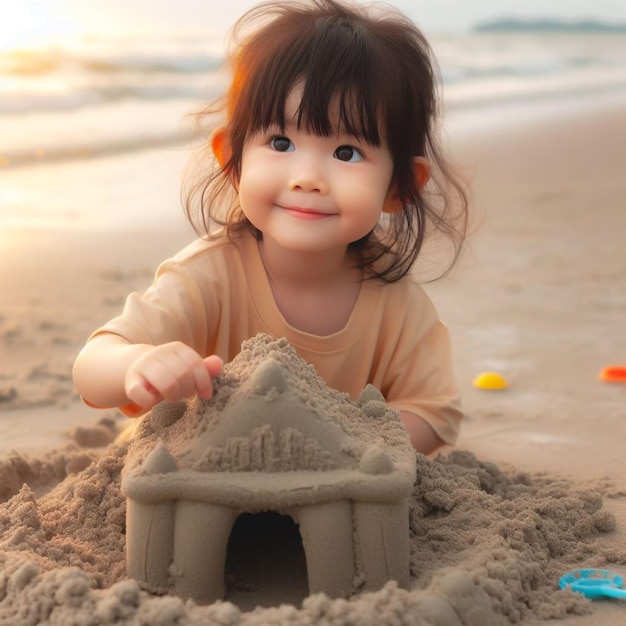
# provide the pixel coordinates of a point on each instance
(306, 214)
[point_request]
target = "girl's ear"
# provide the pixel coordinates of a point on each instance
(421, 171)
(220, 144)
(392, 202)
(421, 168)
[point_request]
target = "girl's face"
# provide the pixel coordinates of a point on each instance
(311, 193)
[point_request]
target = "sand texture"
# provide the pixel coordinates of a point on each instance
(485, 548)
(535, 487)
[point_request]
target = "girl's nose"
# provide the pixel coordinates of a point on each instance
(308, 177)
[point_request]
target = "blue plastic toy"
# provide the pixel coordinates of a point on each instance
(594, 583)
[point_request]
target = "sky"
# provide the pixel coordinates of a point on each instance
(434, 15)
(28, 22)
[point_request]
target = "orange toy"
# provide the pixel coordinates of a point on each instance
(613, 374)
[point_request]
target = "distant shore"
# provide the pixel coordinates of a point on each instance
(548, 25)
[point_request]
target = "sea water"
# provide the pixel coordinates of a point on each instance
(105, 95)
(98, 97)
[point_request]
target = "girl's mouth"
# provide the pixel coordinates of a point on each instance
(306, 214)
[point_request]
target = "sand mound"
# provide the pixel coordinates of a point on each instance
(487, 546)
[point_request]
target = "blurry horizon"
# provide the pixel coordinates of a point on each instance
(39, 23)
(94, 86)
(88, 78)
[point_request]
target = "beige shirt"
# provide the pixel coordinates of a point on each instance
(213, 295)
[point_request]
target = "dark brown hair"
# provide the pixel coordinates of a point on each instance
(379, 68)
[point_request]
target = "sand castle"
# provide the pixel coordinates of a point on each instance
(274, 437)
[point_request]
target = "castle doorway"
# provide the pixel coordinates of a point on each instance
(265, 562)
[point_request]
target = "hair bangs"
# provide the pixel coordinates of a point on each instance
(334, 66)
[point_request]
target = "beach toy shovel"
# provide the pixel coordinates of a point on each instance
(594, 583)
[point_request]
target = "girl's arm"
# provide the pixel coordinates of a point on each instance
(109, 372)
(423, 438)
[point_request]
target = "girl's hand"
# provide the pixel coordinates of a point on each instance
(170, 372)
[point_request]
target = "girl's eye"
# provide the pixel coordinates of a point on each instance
(282, 144)
(348, 154)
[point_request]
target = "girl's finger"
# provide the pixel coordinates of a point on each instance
(166, 383)
(142, 393)
(202, 380)
(214, 365)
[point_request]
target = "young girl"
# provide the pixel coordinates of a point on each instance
(327, 178)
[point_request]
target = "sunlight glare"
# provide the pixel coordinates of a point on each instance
(31, 24)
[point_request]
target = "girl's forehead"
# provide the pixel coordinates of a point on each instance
(293, 101)
(335, 114)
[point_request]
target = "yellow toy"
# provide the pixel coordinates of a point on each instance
(490, 381)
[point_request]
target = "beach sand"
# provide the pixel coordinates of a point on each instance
(539, 296)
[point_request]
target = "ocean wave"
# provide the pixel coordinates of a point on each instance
(40, 63)
(90, 150)
(489, 90)
(111, 96)
(99, 71)
(106, 129)
(26, 103)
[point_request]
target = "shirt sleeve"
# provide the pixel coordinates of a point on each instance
(173, 308)
(420, 379)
